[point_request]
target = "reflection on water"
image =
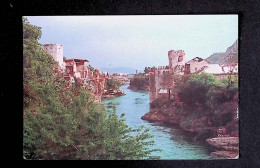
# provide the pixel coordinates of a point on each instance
(174, 143)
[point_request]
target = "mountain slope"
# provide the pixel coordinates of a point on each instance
(230, 56)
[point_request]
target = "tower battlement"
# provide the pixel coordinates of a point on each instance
(176, 61)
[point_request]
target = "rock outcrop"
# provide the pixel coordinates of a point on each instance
(154, 116)
(112, 93)
(162, 114)
(200, 127)
(225, 147)
(230, 56)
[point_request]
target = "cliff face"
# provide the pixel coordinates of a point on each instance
(200, 126)
(225, 147)
(163, 114)
(230, 56)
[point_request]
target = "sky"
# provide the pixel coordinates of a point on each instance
(137, 41)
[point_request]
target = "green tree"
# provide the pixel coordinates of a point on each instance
(139, 81)
(64, 123)
(195, 89)
(204, 95)
(112, 84)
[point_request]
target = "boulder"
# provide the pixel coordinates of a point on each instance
(225, 154)
(226, 147)
(154, 116)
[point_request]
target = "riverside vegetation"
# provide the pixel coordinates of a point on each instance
(62, 123)
(139, 82)
(206, 108)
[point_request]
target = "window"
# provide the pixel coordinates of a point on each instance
(180, 58)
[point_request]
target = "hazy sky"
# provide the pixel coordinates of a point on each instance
(137, 41)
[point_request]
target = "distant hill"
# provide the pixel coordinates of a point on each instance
(125, 70)
(223, 58)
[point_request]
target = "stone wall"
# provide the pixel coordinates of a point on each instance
(56, 51)
(176, 62)
(161, 79)
(195, 65)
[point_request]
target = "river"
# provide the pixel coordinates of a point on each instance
(175, 143)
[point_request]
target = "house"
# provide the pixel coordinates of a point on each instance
(195, 65)
(212, 69)
(228, 68)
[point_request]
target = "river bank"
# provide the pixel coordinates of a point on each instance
(175, 143)
(222, 139)
(111, 93)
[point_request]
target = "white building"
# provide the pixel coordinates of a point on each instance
(230, 68)
(213, 69)
(56, 51)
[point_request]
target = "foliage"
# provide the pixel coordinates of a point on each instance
(147, 70)
(194, 90)
(139, 81)
(216, 100)
(112, 84)
(61, 123)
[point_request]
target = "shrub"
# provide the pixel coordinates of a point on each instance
(66, 124)
(139, 81)
(112, 84)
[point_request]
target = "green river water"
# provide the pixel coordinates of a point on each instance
(175, 143)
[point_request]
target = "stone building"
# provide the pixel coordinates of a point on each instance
(93, 81)
(56, 51)
(121, 77)
(161, 79)
(176, 62)
(212, 69)
(76, 68)
(228, 68)
(195, 65)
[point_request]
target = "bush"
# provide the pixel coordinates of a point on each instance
(216, 100)
(139, 81)
(112, 84)
(66, 124)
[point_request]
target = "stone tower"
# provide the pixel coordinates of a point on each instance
(56, 51)
(176, 62)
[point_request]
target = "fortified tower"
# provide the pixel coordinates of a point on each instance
(176, 62)
(56, 51)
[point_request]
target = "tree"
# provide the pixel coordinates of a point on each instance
(139, 81)
(64, 123)
(91, 68)
(194, 90)
(112, 84)
(147, 70)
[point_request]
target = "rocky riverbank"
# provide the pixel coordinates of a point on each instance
(224, 147)
(223, 138)
(134, 88)
(112, 93)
